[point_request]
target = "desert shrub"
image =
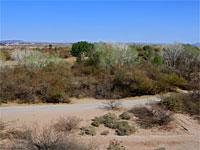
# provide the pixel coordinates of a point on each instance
(105, 132)
(183, 103)
(115, 145)
(97, 121)
(149, 118)
(2, 56)
(67, 124)
(125, 116)
(88, 130)
(148, 52)
(20, 55)
(123, 128)
(112, 104)
(184, 59)
(17, 134)
(46, 138)
(157, 60)
(32, 84)
(112, 54)
(41, 60)
(2, 125)
(81, 49)
(108, 120)
(174, 79)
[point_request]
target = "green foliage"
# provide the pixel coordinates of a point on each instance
(41, 60)
(112, 54)
(148, 52)
(105, 132)
(157, 60)
(125, 116)
(115, 145)
(97, 121)
(88, 130)
(50, 46)
(56, 48)
(123, 128)
(182, 103)
(174, 79)
(81, 47)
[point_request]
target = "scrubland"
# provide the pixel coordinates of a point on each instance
(109, 71)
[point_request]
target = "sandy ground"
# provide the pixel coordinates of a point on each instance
(185, 136)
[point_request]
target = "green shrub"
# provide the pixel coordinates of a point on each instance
(157, 60)
(97, 121)
(108, 120)
(125, 116)
(42, 60)
(115, 145)
(123, 128)
(105, 132)
(174, 79)
(182, 103)
(88, 130)
(81, 47)
(112, 54)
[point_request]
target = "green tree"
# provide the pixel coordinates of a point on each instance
(81, 48)
(50, 46)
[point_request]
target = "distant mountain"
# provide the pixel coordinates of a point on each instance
(12, 41)
(196, 44)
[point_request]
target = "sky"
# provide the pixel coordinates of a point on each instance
(121, 21)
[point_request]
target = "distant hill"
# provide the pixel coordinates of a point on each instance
(12, 41)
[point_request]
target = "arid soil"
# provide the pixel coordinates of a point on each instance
(183, 135)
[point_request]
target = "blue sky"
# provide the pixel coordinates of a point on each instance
(121, 21)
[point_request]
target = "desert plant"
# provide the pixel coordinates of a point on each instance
(125, 116)
(182, 103)
(67, 124)
(80, 49)
(149, 118)
(115, 145)
(112, 54)
(88, 130)
(21, 55)
(50, 46)
(112, 104)
(123, 128)
(105, 132)
(41, 60)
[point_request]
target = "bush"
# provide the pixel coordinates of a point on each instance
(88, 130)
(105, 132)
(125, 116)
(115, 145)
(108, 120)
(149, 118)
(41, 60)
(67, 124)
(112, 105)
(123, 128)
(174, 79)
(182, 103)
(112, 54)
(21, 55)
(80, 48)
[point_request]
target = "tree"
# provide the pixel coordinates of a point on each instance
(81, 49)
(50, 46)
